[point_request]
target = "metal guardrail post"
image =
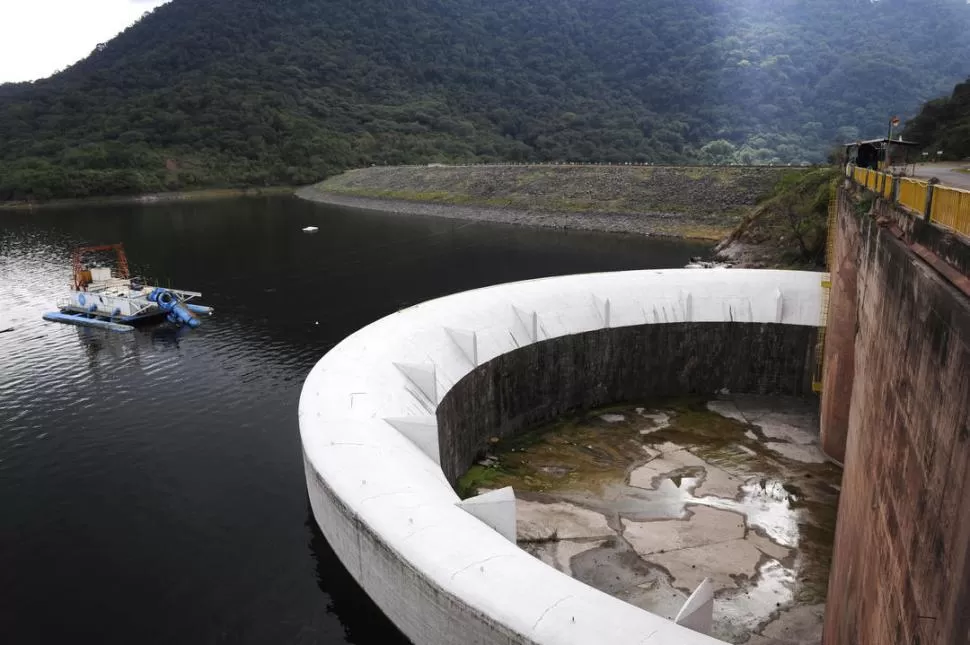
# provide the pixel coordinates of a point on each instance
(895, 195)
(928, 209)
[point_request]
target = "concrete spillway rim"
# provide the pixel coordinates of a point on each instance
(387, 482)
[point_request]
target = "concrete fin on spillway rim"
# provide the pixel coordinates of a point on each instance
(687, 305)
(526, 324)
(421, 431)
(422, 377)
(698, 612)
(603, 309)
(467, 342)
(495, 508)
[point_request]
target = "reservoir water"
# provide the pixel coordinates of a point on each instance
(151, 484)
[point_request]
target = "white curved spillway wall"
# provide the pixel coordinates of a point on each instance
(383, 503)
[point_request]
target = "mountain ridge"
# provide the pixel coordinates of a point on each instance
(219, 93)
(944, 125)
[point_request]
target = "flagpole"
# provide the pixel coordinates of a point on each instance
(889, 142)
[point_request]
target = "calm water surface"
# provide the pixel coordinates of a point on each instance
(151, 484)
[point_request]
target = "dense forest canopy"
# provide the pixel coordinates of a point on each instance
(944, 125)
(256, 92)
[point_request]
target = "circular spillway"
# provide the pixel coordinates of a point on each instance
(396, 412)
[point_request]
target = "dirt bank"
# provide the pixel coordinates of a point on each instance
(693, 202)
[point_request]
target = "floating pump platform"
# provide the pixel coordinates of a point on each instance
(109, 299)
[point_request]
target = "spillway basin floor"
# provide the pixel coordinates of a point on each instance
(645, 501)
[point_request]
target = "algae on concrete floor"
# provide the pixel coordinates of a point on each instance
(645, 501)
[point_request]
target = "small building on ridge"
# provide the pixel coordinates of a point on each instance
(874, 153)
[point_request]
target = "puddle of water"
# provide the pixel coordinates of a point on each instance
(743, 611)
(765, 503)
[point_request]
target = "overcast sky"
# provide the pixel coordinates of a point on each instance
(39, 37)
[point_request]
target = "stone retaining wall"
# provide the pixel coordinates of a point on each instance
(541, 382)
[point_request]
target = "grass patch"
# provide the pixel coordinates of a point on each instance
(479, 477)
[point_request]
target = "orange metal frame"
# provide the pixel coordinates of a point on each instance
(121, 268)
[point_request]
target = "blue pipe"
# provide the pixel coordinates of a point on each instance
(179, 315)
(202, 310)
(176, 312)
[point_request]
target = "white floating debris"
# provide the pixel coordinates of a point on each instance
(310, 229)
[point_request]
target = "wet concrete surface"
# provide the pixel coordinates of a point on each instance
(645, 501)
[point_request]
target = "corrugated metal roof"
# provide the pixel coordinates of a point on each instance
(895, 142)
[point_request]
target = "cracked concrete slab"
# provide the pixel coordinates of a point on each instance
(613, 418)
(768, 547)
(704, 526)
(658, 421)
(800, 625)
(669, 458)
(732, 489)
(726, 408)
(559, 554)
(672, 458)
(726, 563)
(805, 453)
(536, 521)
(718, 483)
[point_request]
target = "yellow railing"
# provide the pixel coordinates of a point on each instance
(951, 208)
(887, 186)
(818, 379)
(912, 194)
(826, 289)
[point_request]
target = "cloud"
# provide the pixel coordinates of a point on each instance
(43, 36)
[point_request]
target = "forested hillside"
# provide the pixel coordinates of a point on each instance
(944, 124)
(255, 92)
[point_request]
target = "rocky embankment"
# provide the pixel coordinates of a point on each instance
(789, 229)
(692, 202)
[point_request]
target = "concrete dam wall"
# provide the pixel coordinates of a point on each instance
(392, 415)
(896, 410)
